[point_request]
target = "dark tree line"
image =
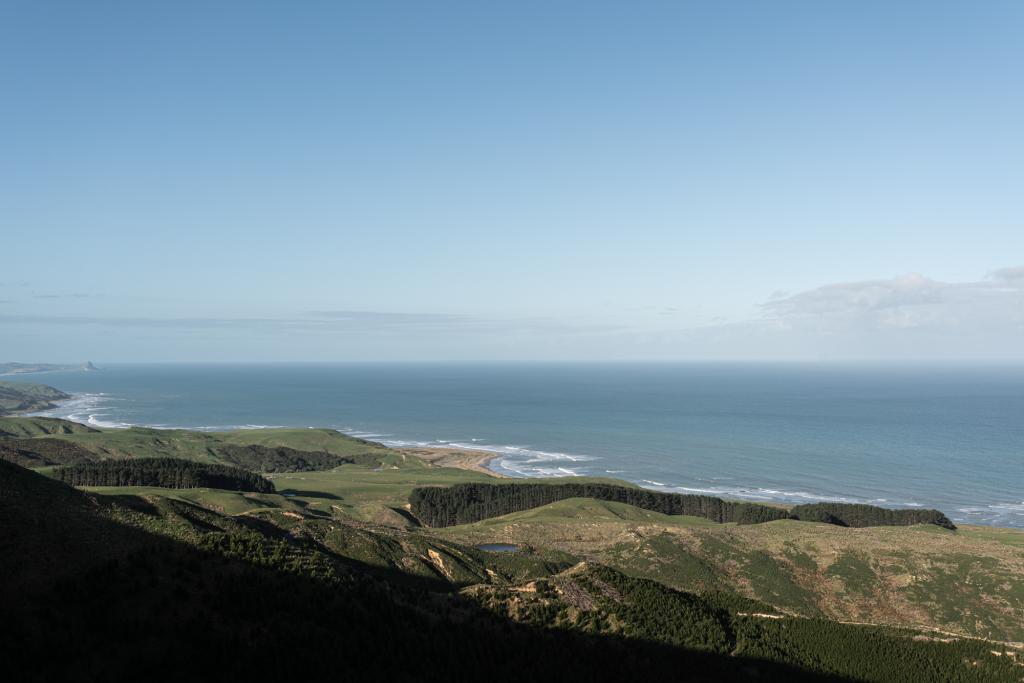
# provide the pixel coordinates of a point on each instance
(856, 515)
(280, 458)
(171, 473)
(466, 503)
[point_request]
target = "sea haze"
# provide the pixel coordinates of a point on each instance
(950, 437)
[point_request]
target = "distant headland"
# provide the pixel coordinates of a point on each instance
(28, 368)
(18, 397)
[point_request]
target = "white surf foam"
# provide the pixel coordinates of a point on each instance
(222, 428)
(88, 409)
(516, 460)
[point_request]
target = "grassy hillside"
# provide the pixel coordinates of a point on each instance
(598, 599)
(40, 426)
(160, 578)
(376, 494)
(127, 583)
(969, 581)
(326, 440)
(261, 449)
(43, 452)
(17, 397)
(362, 493)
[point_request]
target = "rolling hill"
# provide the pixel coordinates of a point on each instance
(330, 570)
(17, 397)
(244, 596)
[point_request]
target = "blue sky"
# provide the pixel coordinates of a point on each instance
(408, 180)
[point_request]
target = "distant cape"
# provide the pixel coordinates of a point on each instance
(27, 368)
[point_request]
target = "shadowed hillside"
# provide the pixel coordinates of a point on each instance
(98, 600)
(101, 587)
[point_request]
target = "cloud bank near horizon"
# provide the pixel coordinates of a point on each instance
(907, 302)
(905, 317)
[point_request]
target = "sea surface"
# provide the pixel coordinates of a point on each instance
(945, 437)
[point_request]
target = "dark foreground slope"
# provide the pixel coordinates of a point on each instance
(111, 588)
(87, 598)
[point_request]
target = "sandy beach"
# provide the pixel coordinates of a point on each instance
(461, 458)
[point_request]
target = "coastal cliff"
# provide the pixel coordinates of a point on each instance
(16, 397)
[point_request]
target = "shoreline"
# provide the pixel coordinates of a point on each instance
(480, 460)
(470, 459)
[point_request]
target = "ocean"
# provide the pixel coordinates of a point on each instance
(945, 437)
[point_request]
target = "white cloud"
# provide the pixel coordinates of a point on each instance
(1014, 275)
(909, 302)
(911, 317)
